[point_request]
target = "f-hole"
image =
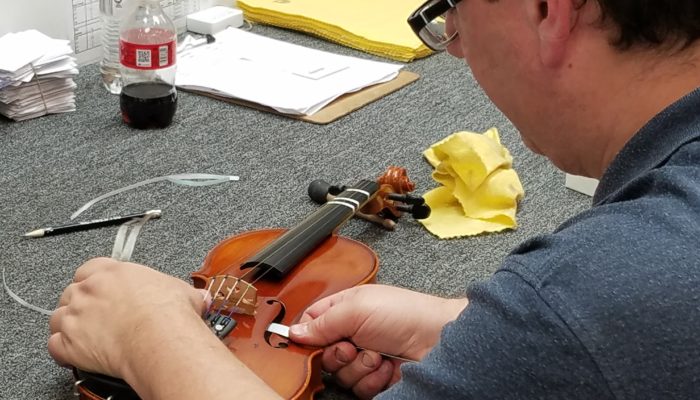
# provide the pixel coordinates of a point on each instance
(279, 342)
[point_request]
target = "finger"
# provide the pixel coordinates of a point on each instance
(338, 356)
(322, 306)
(67, 294)
(64, 300)
(375, 382)
(56, 319)
(337, 322)
(365, 363)
(58, 349)
(396, 374)
(90, 267)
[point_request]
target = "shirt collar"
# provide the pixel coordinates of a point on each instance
(652, 145)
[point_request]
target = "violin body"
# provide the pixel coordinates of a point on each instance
(292, 370)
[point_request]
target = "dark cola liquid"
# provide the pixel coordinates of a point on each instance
(148, 104)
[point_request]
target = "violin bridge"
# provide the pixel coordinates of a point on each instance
(233, 295)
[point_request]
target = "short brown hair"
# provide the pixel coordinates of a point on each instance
(652, 23)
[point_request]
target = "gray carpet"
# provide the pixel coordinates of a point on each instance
(53, 165)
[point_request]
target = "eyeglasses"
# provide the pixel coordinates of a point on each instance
(428, 22)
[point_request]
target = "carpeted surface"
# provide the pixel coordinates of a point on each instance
(53, 165)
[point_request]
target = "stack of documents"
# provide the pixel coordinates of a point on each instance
(375, 26)
(288, 78)
(36, 75)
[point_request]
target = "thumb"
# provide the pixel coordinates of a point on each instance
(334, 325)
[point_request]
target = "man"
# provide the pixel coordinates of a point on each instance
(606, 307)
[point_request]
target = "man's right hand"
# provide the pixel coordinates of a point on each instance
(381, 318)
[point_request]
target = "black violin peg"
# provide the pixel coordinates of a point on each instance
(405, 198)
(420, 211)
(320, 189)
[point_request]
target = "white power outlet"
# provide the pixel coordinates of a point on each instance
(214, 19)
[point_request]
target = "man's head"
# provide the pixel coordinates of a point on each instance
(579, 77)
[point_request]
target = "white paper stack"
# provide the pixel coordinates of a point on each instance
(288, 78)
(36, 75)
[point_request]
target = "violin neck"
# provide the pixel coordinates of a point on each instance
(278, 258)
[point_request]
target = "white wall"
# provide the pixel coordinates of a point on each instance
(46, 15)
(55, 19)
(42, 15)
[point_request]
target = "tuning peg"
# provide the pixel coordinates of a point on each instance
(405, 198)
(419, 211)
(320, 189)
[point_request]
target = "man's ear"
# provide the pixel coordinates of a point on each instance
(556, 20)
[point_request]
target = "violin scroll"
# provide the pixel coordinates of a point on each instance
(387, 206)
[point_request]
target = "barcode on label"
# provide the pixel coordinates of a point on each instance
(143, 58)
(163, 55)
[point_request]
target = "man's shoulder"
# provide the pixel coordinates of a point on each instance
(625, 278)
(650, 223)
(649, 233)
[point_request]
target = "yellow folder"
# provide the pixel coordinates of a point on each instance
(375, 26)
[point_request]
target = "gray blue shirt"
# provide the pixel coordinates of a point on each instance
(606, 307)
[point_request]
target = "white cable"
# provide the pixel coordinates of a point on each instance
(190, 179)
(20, 300)
(125, 241)
(119, 240)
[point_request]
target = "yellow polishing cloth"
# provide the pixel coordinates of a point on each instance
(480, 191)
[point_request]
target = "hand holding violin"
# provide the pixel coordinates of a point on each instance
(132, 322)
(385, 319)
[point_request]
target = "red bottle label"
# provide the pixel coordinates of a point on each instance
(147, 56)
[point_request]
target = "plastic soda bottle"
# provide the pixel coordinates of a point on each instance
(112, 12)
(147, 52)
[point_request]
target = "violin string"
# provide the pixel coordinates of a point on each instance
(211, 282)
(233, 309)
(230, 290)
(314, 224)
(319, 216)
(324, 222)
(252, 268)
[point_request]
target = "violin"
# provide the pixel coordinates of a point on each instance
(271, 276)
